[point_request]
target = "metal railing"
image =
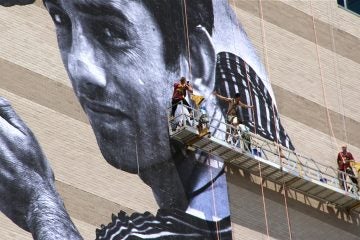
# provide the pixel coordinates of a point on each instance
(258, 147)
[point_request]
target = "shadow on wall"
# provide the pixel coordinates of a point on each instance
(309, 218)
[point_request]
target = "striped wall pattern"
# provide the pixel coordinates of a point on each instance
(32, 77)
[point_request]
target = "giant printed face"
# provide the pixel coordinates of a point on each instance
(114, 55)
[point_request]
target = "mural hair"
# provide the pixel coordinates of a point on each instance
(170, 16)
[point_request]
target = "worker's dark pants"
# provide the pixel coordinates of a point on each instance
(175, 103)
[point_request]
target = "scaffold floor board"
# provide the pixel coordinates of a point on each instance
(293, 173)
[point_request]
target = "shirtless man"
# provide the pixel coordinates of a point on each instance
(232, 112)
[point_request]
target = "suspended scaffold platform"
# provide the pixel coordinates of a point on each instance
(278, 164)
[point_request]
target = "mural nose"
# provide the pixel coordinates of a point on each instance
(88, 79)
(84, 71)
(83, 64)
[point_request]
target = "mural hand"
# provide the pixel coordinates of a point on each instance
(25, 173)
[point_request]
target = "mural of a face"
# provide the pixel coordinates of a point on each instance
(115, 62)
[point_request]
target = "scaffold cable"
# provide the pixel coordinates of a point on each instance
(336, 64)
(187, 45)
(186, 31)
(259, 163)
(267, 66)
(332, 134)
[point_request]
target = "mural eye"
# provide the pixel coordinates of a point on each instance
(113, 36)
(108, 33)
(57, 19)
(60, 18)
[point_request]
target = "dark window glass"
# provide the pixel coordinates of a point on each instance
(340, 2)
(353, 5)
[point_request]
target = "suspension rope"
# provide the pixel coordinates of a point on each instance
(338, 80)
(322, 79)
(263, 34)
(280, 154)
(267, 67)
(184, 26)
(234, 3)
(336, 63)
(287, 210)
(187, 44)
(214, 201)
(187, 39)
(259, 164)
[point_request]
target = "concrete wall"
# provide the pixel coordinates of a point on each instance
(30, 65)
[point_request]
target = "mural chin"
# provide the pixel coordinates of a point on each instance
(121, 159)
(116, 140)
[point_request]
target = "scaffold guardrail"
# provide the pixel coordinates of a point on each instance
(244, 149)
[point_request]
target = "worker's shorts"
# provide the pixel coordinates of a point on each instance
(231, 119)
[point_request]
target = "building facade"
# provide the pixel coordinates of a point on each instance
(310, 51)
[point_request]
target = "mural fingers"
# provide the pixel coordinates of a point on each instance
(8, 114)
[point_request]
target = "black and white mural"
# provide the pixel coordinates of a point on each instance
(123, 58)
(7, 3)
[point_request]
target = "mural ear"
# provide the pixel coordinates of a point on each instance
(202, 61)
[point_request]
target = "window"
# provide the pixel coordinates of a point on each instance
(352, 5)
